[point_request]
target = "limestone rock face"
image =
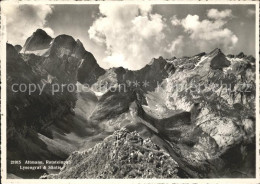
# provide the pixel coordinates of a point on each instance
(122, 155)
(38, 120)
(222, 112)
(38, 41)
(218, 60)
(194, 118)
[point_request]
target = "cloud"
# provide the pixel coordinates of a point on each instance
(250, 12)
(23, 20)
(175, 21)
(215, 14)
(131, 34)
(208, 34)
(49, 31)
(176, 47)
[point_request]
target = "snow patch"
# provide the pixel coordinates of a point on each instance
(202, 59)
(36, 52)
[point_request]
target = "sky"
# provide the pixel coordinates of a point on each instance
(131, 35)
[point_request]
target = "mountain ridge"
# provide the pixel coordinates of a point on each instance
(199, 128)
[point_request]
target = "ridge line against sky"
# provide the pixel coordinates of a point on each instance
(130, 35)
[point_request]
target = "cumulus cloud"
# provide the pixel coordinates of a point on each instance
(216, 14)
(175, 48)
(23, 20)
(175, 21)
(131, 34)
(208, 34)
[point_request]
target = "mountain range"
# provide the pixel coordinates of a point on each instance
(188, 117)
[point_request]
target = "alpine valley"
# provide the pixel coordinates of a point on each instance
(136, 124)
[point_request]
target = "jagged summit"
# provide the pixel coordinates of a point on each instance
(63, 45)
(200, 54)
(241, 55)
(154, 60)
(201, 127)
(40, 32)
(124, 154)
(59, 51)
(64, 40)
(79, 42)
(216, 51)
(38, 41)
(11, 52)
(18, 48)
(171, 59)
(219, 60)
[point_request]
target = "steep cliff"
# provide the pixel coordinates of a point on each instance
(200, 110)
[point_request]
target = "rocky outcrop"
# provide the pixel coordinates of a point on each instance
(36, 120)
(38, 41)
(218, 60)
(122, 155)
(18, 48)
(219, 105)
(200, 109)
(152, 75)
(82, 64)
(30, 113)
(62, 57)
(240, 55)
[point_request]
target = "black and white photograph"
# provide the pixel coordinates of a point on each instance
(129, 90)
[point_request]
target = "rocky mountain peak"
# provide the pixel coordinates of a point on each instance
(18, 48)
(201, 54)
(38, 41)
(201, 129)
(171, 59)
(79, 49)
(79, 42)
(219, 60)
(64, 41)
(216, 51)
(241, 55)
(157, 60)
(11, 52)
(41, 33)
(158, 65)
(67, 45)
(63, 54)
